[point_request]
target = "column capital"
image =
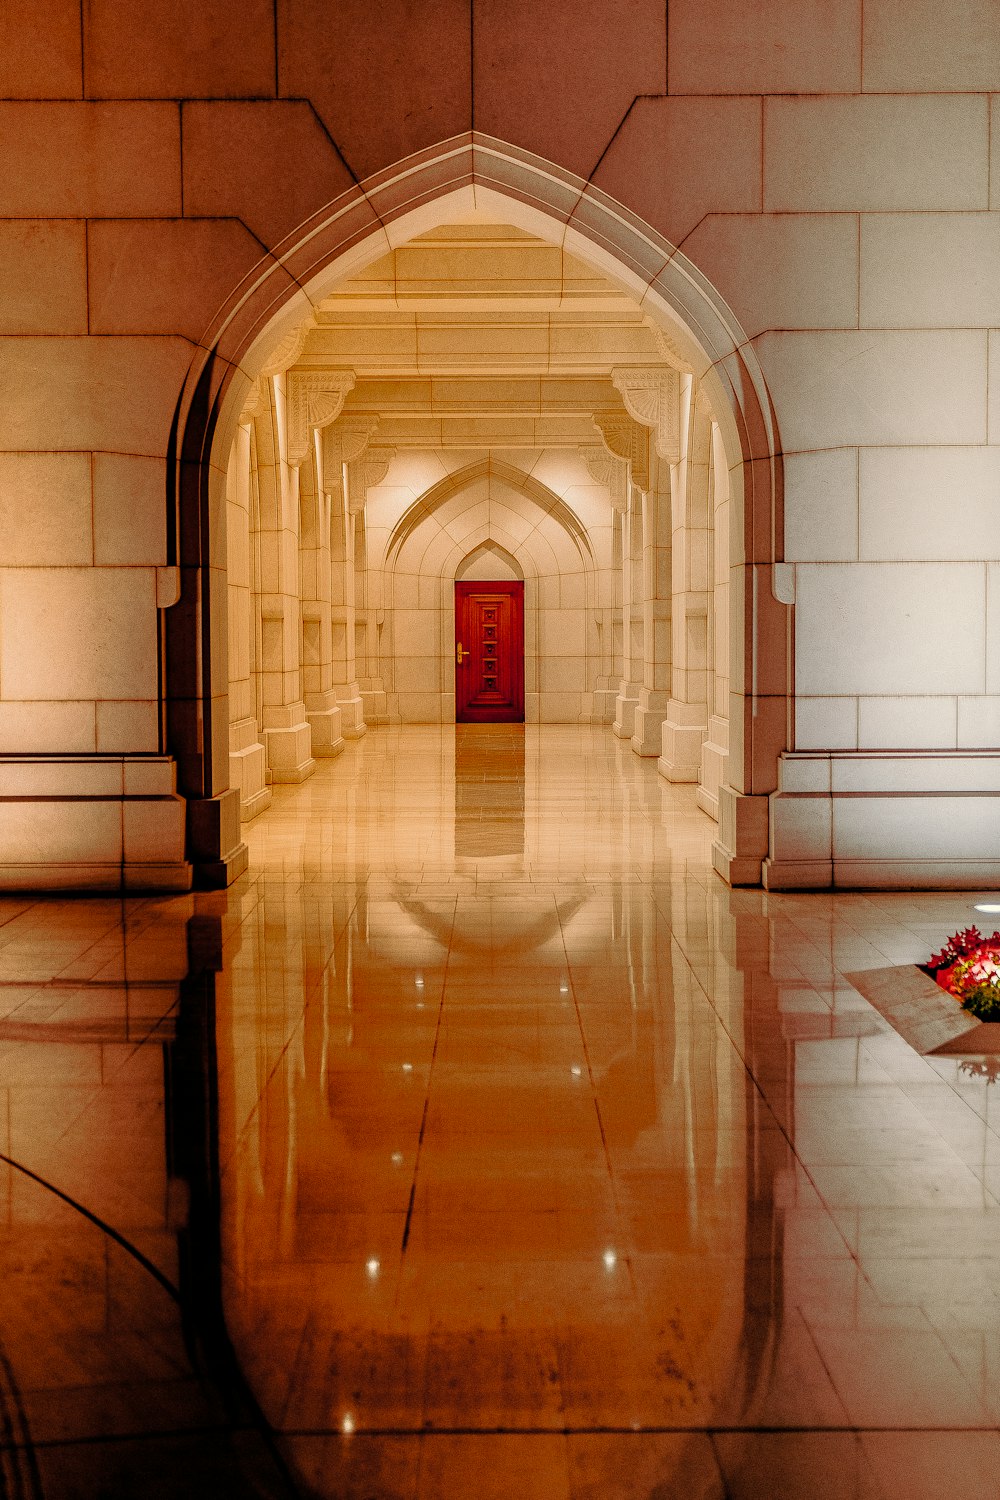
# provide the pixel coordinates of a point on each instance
(344, 442)
(254, 403)
(314, 398)
(604, 468)
(365, 473)
(652, 398)
(626, 439)
(669, 349)
(286, 351)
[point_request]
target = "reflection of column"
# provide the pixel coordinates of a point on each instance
(715, 751)
(647, 738)
(247, 756)
(317, 641)
(687, 711)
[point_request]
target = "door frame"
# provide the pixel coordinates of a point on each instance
(463, 587)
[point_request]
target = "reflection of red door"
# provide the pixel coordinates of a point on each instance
(489, 653)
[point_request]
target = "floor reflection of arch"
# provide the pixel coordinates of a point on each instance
(355, 1293)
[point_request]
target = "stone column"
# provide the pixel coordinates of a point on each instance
(715, 750)
(630, 688)
(247, 756)
(343, 444)
(686, 724)
(627, 441)
(647, 737)
(318, 693)
(305, 401)
(362, 475)
(607, 602)
(652, 399)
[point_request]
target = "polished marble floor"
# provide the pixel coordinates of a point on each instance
(481, 1143)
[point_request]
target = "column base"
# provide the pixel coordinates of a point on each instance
(626, 703)
(326, 731)
(647, 730)
(248, 774)
(742, 845)
(714, 759)
(604, 706)
(684, 731)
(374, 708)
(215, 845)
(92, 823)
(252, 806)
(289, 752)
(352, 710)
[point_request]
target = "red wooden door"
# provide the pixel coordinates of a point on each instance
(489, 653)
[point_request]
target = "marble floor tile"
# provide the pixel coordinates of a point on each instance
(479, 1142)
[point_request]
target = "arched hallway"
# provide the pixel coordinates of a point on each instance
(482, 1142)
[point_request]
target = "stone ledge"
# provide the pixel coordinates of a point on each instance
(932, 1021)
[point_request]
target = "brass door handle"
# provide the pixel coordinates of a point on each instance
(460, 653)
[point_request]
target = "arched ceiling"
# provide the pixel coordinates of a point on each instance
(553, 538)
(480, 335)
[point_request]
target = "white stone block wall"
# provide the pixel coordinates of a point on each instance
(830, 172)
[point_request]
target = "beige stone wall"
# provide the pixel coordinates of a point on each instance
(830, 174)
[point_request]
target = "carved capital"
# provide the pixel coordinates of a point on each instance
(365, 473)
(254, 402)
(668, 350)
(343, 443)
(612, 472)
(625, 439)
(652, 397)
(314, 398)
(286, 351)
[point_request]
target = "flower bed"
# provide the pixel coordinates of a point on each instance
(968, 967)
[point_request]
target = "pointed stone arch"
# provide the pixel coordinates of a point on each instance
(256, 332)
(485, 552)
(547, 501)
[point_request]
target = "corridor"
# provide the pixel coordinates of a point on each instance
(548, 1166)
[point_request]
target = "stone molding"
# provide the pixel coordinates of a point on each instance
(627, 439)
(667, 348)
(343, 443)
(652, 398)
(313, 399)
(254, 402)
(365, 473)
(612, 472)
(286, 351)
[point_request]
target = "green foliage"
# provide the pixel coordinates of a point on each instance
(976, 984)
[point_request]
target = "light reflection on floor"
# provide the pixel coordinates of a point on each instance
(549, 1167)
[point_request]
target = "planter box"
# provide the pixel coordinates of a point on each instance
(931, 1020)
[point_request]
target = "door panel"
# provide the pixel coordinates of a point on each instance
(489, 653)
